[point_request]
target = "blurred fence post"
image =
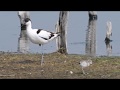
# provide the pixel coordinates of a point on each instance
(23, 41)
(109, 31)
(91, 35)
(107, 38)
(108, 48)
(92, 15)
(61, 27)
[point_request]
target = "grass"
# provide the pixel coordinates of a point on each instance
(57, 66)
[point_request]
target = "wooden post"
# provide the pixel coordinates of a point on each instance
(109, 32)
(61, 27)
(108, 48)
(107, 38)
(92, 15)
(23, 41)
(91, 37)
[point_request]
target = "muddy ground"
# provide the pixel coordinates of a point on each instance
(57, 66)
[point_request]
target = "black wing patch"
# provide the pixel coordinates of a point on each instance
(44, 38)
(38, 31)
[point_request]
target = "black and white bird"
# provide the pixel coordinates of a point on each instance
(39, 36)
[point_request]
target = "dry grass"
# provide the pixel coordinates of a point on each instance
(56, 66)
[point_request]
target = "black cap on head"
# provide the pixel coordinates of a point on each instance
(27, 19)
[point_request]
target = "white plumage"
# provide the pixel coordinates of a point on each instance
(85, 63)
(39, 36)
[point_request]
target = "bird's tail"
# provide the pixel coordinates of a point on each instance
(55, 36)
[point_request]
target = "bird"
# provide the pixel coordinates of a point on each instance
(85, 63)
(39, 36)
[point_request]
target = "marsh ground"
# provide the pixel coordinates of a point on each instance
(57, 66)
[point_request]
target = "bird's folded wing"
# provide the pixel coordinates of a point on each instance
(44, 34)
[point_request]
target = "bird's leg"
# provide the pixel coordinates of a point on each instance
(83, 71)
(42, 60)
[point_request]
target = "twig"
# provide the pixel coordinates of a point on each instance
(12, 75)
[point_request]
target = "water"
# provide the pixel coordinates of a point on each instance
(76, 34)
